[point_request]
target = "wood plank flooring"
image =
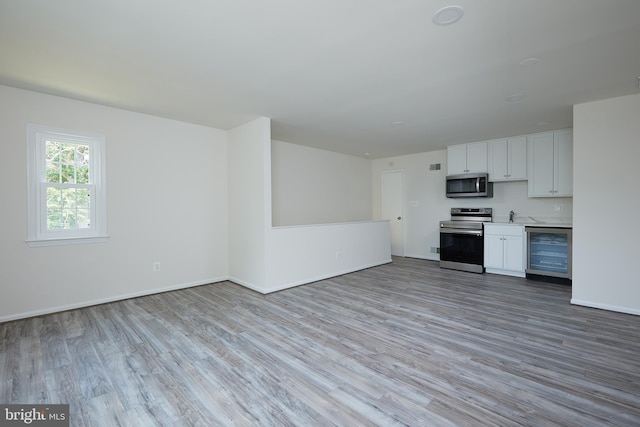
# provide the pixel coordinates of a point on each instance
(401, 344)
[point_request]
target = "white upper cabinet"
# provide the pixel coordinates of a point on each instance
(467, 158)
(507, 159)
(563, 172)
(550, 163)
(457, 159)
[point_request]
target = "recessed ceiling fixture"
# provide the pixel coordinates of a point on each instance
(515, 97)
(396, 124)
(447, 15)
(529, 62)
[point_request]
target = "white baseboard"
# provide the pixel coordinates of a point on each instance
(244, 284)
(428, 258)
(618, 309)
(506, 272)
(306, 280)
(83, 304)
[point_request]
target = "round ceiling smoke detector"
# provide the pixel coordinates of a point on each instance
(529, 62)
(447, 15)
(516, 97)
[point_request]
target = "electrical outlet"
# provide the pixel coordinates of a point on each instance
(156, 266)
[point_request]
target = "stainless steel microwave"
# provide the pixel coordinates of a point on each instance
(469, 185)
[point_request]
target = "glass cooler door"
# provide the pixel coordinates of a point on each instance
(549, 251)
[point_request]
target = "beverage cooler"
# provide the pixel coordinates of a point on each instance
(549, 254)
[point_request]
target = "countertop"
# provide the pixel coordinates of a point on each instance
(535, 222)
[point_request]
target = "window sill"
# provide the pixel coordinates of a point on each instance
(67, 241)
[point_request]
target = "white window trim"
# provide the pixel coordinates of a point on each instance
(37, 235)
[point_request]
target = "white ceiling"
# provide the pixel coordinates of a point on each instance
(331, 74)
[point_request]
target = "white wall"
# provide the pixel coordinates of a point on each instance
(311, 186)
(266, 258)
(303, 254)
(425, 204)
(422, 187)
(249, 202)
(195, 199)
(167, 202)
(606, 238)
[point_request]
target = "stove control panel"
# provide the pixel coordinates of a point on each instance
(472, 211)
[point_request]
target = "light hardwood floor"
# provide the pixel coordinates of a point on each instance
(401, 344)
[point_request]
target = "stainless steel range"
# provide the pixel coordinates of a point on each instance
(462, 239)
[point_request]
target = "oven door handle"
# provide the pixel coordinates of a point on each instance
(461, 231)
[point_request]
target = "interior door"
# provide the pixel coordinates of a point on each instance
(392, 204)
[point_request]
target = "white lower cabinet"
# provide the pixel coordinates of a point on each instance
(504, 249)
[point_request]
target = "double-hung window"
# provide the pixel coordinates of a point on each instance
(66, 186)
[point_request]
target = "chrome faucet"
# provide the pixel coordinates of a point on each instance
(512, 215)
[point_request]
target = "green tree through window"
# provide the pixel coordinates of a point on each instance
(69, 203)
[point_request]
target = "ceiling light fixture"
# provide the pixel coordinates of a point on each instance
(529, 62)
(397, 124)
(515, 97)
(447, 15)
